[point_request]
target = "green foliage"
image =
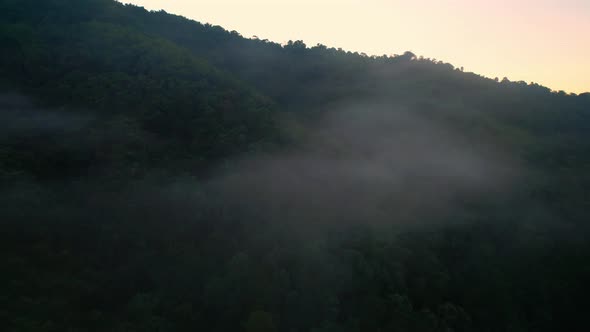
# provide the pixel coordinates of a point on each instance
(65, 59)
(120, 100)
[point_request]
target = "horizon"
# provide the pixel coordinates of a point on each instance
(513, 41)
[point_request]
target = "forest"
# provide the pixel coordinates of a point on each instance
(159, 174)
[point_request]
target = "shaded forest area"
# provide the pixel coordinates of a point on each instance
(158, 174)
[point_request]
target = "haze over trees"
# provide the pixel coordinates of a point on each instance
(158, 174)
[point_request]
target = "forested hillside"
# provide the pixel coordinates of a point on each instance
(158, 174)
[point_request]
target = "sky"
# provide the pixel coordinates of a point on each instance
(542, 41)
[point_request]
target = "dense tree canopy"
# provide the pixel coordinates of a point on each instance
(158, 174)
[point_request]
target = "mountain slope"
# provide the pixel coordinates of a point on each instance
(158, 174)
(65, 54)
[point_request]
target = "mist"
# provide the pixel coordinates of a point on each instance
(160, 174)
(20, 118)
(360, 164)
(367, 164)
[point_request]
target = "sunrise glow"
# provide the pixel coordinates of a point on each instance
(547, 42)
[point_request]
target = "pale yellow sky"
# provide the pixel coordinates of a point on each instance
(543, 41)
